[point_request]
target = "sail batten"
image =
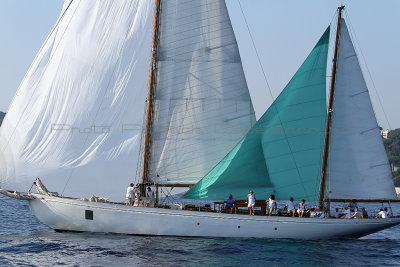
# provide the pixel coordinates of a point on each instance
(358, 167)
(202, 103)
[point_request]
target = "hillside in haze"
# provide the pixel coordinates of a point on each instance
(392, 145)
(2, 114)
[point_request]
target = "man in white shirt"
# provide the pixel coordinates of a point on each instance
(382, 214)
(129, 195)
(388, 213)
(290, 207)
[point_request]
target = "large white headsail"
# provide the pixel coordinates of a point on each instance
(358, 167)
(203, 106)
(76, 119)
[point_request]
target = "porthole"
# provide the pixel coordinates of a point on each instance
(89, 215)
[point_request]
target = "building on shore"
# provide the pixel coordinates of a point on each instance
(385, 133)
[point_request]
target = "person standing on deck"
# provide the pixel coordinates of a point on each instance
(272, 206)
(251, 201)
(129, 195)
(136, 194)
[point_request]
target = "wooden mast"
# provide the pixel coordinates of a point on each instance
(150, 98)
(330, 109)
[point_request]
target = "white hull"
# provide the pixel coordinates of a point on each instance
(69, 215)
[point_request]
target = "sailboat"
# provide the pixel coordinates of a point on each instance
(154, 92)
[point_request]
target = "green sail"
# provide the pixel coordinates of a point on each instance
(282, 153)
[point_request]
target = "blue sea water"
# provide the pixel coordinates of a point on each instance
(24, 241)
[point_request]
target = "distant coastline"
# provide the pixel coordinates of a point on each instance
(391, 139)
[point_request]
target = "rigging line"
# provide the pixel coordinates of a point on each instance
(254, 46)
(273, 99)
(352, 32)
(30, 67)
(102, 99)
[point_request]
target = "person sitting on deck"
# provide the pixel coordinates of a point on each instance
(230, 202)
(357, 214)
(382, 214)
(272, 206)
(290, 207)
(353, 205)
(336, 213)
(149, 193)
(129, 195)
(251, 201)
(346, 214)
(389, 214)
(301, 208)
(365, 213)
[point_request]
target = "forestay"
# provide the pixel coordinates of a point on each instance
(76, 119)
(358, 167)
(202, 103)
(282, 153)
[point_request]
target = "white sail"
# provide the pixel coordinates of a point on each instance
(358, 166)
(203, 106)
(76, 120)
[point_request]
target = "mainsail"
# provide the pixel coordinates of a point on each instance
(282, 153)
(358, 167)
(202, 103)
(77, 118)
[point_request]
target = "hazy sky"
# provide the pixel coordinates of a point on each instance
(284, 33)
